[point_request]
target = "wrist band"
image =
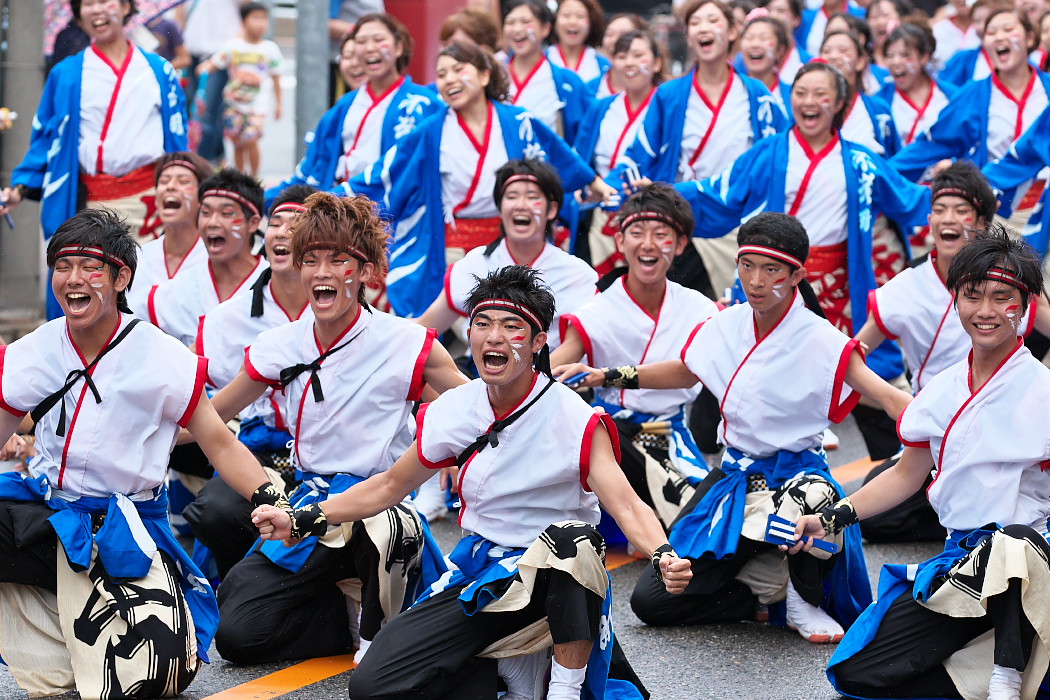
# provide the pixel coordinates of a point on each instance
(623, 377)
(657, 555)
(270, 495)
(838, 517)
(309, 521)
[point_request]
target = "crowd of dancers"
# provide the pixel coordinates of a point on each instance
(539, 290)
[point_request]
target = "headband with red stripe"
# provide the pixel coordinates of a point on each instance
(997, 274)
(956, 192)
(506, 305)
(182, 163)
(288, 206)
(235, 196)
(774, 253)
(89, 252)
(520, 177)
(332, 245)
(649, 216)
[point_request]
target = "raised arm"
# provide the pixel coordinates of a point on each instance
(637, 520)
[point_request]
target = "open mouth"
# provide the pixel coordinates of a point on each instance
(494, 361)
(809, 117)
(648, 261)
(706, 42)
(373, 61)
(986, 326)
(454, 91)
(950, 236)
(521, 220)
(214, 242)
(170, 204)
(324, 295)
(100, 22)
(77, 302)
(1003, 52)
(281, 249)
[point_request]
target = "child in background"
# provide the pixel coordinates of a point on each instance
(250, 59)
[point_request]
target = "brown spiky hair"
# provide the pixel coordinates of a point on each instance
(346, 224)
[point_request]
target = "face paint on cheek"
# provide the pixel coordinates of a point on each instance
(465, 79)
(778, 287)
(1011, 315)
(386, 51)
(1015, 43)
(531, 34)
(770, 55)
(910, 68)
(236, 227)
(643, 68)
(347, 281)
(667, 251)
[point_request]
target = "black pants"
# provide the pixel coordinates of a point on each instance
(221, 519)
(429, 650)
(714, 594)
(28, 545)
(913, 520)
(905, 658)
(268, 613)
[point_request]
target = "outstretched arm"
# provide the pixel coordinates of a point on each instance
(889, 398)
(571, 349)
(440, 371)
(669, 374)
(370, 497)
(235, 464)
(870, 336)
(237, 395)
(637, 520)
(439, 315)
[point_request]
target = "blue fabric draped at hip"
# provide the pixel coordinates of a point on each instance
(486, 570)
(895, 579)
(122, 541)
(713, 528)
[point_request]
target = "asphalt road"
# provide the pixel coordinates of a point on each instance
(732, 661)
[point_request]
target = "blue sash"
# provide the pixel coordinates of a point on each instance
(685, 454)
(122, 541)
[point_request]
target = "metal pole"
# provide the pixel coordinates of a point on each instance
(22, 75)
(311, 68)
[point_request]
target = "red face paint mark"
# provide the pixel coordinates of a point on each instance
(780, 281)
(518, 338)
(1012, 308)
(95, 275)
(347, 273)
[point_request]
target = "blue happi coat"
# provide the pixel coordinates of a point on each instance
(52, 163)
(407, 185)
(1026, 157)
(410, 105)
(755, 183)
(961, 131)
(882, 117)
(657, 149)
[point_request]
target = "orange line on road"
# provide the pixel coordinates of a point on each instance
(615, 558)
(289, 679)
(854, 470)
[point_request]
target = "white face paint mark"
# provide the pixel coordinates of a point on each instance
(531, 34)
(778, 288)
(1011, 315)
(467, 82)
(100, 299)
(770, 54)
(1015, 43)
(514, 349)
(235, 229)
(911, 68)
(347, 281)
(643, 68)
(847, 64)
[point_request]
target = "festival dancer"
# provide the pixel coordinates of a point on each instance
(438, 179)
(772, 429)
(970, 621)
(789, 13)
(815, 20)
(698, 123)
(641, 316)
(104, 118)
(528, 194)
(557, 96)
(639, 63)
(349, 367)
(764, 46)
(618, 25)
(869, 123)
(98, 595)
(847, 186)
(915, 99)
(366, 122)
(179, 248)
(217, 517)
(969, 62)
(533, 560)
(986, 116)
(956, 33)
(578, 28)
(230, 206)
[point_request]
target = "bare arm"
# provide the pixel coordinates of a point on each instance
(1042, 314)
(637, 520)
(10, 443)
(669, 374)
(438, 315)
(440, 371)
(571, 349)
(869, 335)
(230, 457)
(371, 496)
(237, 395)
(891, 399)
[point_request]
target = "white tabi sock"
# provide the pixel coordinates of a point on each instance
(362, 649)
(566, 683)
(811, 622)
(1005, 684)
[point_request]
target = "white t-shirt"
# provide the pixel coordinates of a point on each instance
(149, 384)
(535, 476)
(468, 168)
(823, 209)
(779, 392)
(152, 269)
(724, 141)
(990, 444)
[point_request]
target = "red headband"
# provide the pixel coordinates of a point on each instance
(774, 253)
(230, 194)
(288, 206)
(331, 245)
(507, 305)
(89, 252)
(956, 192)
(649, 216)
(520, 177)
(998, 274)
(184, 163)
